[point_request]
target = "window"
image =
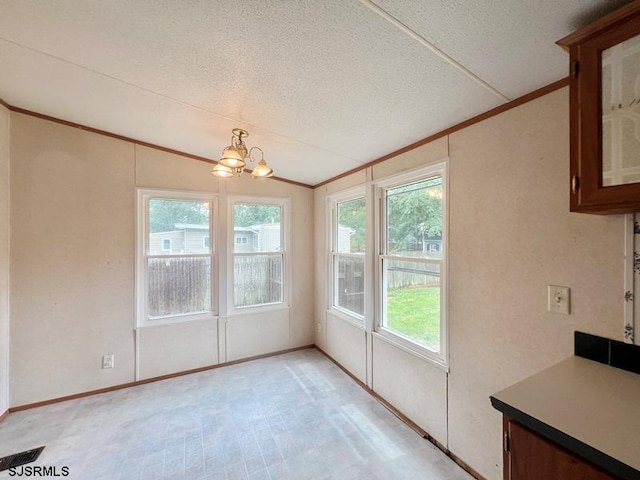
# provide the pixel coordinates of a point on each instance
(411, 261)
(175, 258)
(258, 266)
(348, 220)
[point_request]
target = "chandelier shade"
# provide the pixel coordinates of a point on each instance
(222, 171)
(231, 158)
(235, 157)
(262, 169)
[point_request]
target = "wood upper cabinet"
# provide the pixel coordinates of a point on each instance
(605, 113)
(528, 456)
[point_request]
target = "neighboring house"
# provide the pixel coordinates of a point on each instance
(245, 239)
(190, 238)
(432, 245)
(344, 239)
(257, 238)
(186, 238)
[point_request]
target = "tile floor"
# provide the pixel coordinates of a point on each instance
(293, 416)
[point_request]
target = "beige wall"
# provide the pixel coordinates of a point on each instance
(346, 343)
(511, 235)
(415, 387)
(73, 254)
(240, 335)
(72, 239)
(72, 232)
(298, 327)
(4, 259)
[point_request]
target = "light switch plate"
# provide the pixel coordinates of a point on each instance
(559, 299)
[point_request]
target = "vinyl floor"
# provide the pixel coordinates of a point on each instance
(292, 416)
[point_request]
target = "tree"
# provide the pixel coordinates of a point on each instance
(246, 215)
(352, 214)
(165, 214)
(414, 214)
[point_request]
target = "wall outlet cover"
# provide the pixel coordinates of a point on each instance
(108, 361)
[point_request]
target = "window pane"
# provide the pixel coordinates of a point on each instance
(414, 219)
(349, 283)
(412, 301)
(179, 285)
(256, 228)
(178, 226)
(351, 226)
(257, 279)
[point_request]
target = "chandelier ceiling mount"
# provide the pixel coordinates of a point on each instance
(236, 156)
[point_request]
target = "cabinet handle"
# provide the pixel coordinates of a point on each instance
(506, 441)
(575, 184)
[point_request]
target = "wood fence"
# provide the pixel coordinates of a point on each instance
(399, 274)
(179, 285)
(411, 274)
(258, 279)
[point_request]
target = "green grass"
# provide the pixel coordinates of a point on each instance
(415, 313)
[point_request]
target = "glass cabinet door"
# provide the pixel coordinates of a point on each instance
(621, 113)
(604, 87)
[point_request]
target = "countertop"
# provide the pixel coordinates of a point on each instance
(586, 407)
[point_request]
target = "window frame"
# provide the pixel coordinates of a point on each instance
(285, 232)
(332, 230)
(381, 186)
(144, 195)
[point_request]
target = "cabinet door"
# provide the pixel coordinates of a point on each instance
(532, 457)
(605, 113)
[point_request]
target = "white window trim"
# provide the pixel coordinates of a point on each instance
(285, 242)
(142, 237)
(440, 359)
(332, 242)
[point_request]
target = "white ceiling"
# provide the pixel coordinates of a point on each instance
(322, 86)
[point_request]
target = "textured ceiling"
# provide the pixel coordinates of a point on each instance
(322, 86)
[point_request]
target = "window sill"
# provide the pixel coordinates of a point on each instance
(415, 350)
(238, 312)
(177, 319)
(346, 317)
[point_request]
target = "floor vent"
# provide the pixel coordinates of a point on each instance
(17, 459)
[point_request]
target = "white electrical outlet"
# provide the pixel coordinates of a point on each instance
(108, 361)
(559, 299)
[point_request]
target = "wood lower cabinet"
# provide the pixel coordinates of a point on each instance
(528, 456)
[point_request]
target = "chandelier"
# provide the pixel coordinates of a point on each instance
(236, 156)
